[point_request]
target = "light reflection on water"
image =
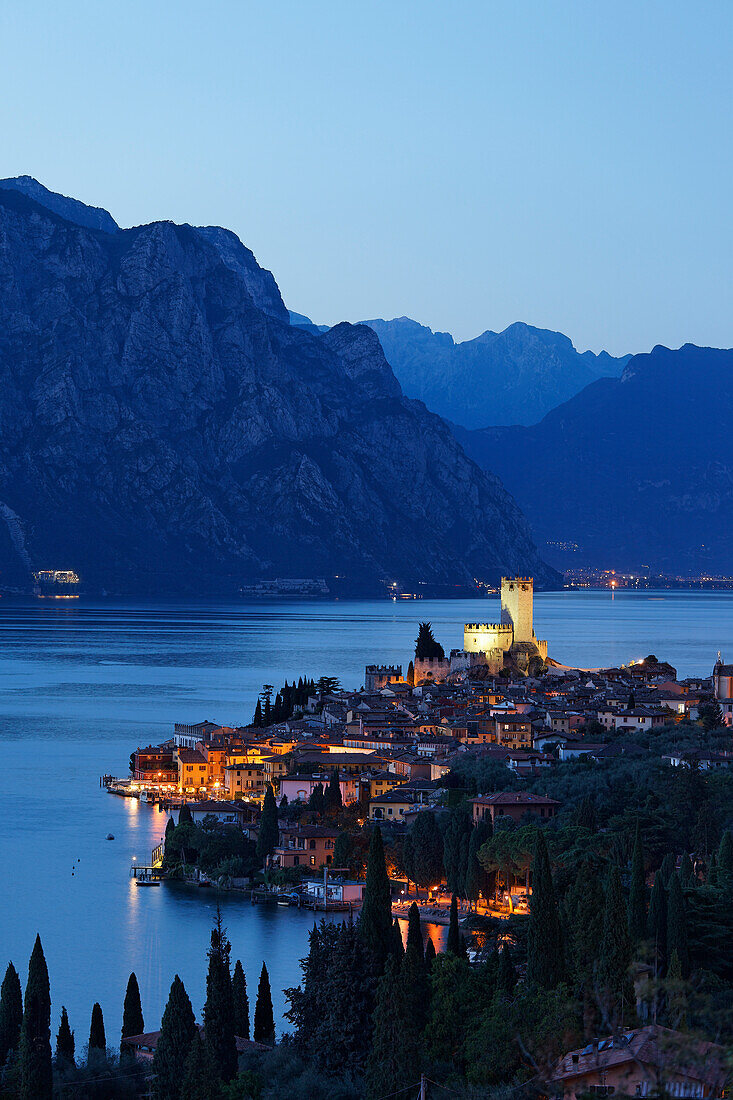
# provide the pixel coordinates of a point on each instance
(82, 684)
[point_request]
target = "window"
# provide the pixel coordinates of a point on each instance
(313, 861)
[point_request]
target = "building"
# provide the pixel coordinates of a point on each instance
(513, 636)
(226, 813)
(193, 771)
(513, 732)
(245, 781)
(155, 765)
(650, 1061)
(377, 677)
(514, 804)
(391, 806)
(144, 1046)
(305, 846)
(723, 689)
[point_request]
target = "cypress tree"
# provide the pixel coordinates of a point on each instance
(686, 872)
(414, 933)
(343, 1037)
(65, 1044)
(544, 939)
(268, 834)
(332, 800)
(657, 922)
(264, 1029)
(97, 1037)
(637, 892)
(132, 1012)
(375, 921)
(711, 878)
(177, 1031)
(725, 858)
(343, 850)
(615, 952)
(200, 1078)
(677, 927)
(411, 674)
(506, 977)
(36, 1073)
(398, 948)
(676, 994)
(11, 1013)
(241, 1002)
(184, 815)
(257, 719)
(667, 869)
(219, 1007)
(453, 946)
(395, 1053)
(316, 800)
(429, 954)
(477, 879)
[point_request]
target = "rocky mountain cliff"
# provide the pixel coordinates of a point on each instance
(637, 471)
(509, 377)
(163, 428)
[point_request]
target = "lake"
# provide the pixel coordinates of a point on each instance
(83, 683)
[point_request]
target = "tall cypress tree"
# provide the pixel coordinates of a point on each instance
(398, 947)
(185, 817)
(97, 1037)
(375, 921)
(264, 1022)
(268, 834)
(11, 1013)
(332, 800)
(257, 719)
(506, 977)
(414, 972)
(395, 1054)
(429, 954)
(615, 953)
(637, 892)
(65, 1043)
(453, 946)
(200, 1077)
(414, 933)
(132, 1012)
(677, 927)
(544, 938)
(725, 859)
(477, 878)
(177, 1030)
(241, 1002)
(36, 1073)
(667, 869)
(219, 1007)
(343, 1036)
(657, 923)
(686, 872)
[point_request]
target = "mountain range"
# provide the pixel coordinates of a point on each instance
(164, 428)
(631, 472)
(509, 377)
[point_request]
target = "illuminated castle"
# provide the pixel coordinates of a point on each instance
(514, 636)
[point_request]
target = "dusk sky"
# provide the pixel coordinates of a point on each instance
(468, 164)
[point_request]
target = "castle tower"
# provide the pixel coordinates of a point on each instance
(517, 598)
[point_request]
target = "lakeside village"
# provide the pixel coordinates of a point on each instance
(571, 827)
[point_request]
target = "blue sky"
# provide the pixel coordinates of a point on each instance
(468, 164)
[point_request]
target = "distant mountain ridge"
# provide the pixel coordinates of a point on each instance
(163, 428)
(510, 377)
(636, 470)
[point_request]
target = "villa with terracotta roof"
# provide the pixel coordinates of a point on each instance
(514, 804)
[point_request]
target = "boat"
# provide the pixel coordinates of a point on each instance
(146, 882)
(110, 836)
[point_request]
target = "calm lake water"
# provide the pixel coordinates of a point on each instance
(82, 684)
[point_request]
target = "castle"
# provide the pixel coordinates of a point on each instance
(509, 643)
(514, 635)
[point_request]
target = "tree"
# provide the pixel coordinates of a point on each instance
(725, 858)
(427, 850)
(657, 922)
(332, 800)
(426, 645)
(132, 1012)
(686, 872)
(268, 834)
(257, 718)
(219, 1007)
(478, 881)
(615, 953)
(411, 674)
(316, 802)
(398, 948)
(375, 922)
(177, 1031)
(36, 1073)
(307, 1000)
(395, 1054)
(677, 927)
(241, 1002)
(430, 954)
(710, 716)
(584, 907)
(506, 977)
(544, 938)
(184, 815)
(414, 933)
(455, 849)
(637, 892)
(453, 945)
(343, 850)
(97, 1037)
(327, 685)
(264, 1022)
(201, 1079)
(11, 1013)
(65, 1043)
(667, 869)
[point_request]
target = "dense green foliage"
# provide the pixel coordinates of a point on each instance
(11, 1013)
(268, 834)
(264, 1020)
(241, 1002)
(219, 1007)
(426, 645)
(177, 1030)
(132, 1011)
(36, 1074)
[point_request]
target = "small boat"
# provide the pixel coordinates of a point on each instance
(146, 882)
(110, 836)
